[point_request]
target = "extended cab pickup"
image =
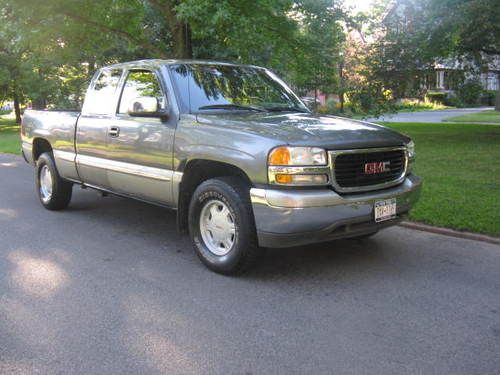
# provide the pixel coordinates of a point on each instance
(232, 149)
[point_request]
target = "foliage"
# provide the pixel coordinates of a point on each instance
(466, 196)
(436, 97)
(412, 105)
(49, 50)
(469, 93)
(488, 97)
(410, 36)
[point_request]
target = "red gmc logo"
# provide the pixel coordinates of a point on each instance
(377, 167)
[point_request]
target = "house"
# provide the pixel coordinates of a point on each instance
(444, 74)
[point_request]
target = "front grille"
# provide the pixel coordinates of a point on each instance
(349, 169)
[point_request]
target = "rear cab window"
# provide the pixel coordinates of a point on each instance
(101, 97)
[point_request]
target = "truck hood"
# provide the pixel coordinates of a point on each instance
(306, 129)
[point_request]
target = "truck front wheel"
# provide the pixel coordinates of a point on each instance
(221, 225)
(53, 191)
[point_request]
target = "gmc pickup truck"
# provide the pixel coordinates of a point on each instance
(232, 149)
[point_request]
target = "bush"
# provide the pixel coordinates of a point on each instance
(411, 105)
(372, 99)
(4, 112)
(437, 97)
(488, 97)
(469, 92)
(331, 107)
(453, 100)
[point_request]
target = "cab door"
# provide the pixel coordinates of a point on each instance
(140, 149)
(98, 114)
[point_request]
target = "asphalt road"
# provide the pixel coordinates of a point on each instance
(428, 116)
(109, 287)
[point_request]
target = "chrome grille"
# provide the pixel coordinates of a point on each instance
(348, 168)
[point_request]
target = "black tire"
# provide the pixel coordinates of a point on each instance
(61, 189)
(234, 194)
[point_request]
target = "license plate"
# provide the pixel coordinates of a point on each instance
(385, 210)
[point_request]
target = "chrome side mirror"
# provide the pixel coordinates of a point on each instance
(144, 106)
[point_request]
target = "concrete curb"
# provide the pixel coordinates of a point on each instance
(451, 232)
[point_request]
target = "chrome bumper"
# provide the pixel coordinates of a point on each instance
(285, 218)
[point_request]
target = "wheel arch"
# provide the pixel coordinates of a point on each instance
(40, 145)
(197, 171)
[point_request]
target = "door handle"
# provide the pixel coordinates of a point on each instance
(114, 131)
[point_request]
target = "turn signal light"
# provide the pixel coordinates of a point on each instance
(280, 156)
(301, 179)
(284, 178)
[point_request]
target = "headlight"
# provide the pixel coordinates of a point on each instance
(298, 166)
(410, 151)
(410, 148)
(305, 156)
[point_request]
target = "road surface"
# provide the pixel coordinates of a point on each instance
(109, 287)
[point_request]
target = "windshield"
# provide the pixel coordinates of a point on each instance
(216, 87)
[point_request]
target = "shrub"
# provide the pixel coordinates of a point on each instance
(437, 97)
(469, 92)
(488, 97)
(408, 104)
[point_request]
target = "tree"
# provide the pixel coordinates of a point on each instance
(412, 34)
(468, 28)
(62, 42)
(320, 42)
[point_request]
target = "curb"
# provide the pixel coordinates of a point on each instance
(450, 232)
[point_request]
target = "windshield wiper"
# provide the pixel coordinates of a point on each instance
(232, 106)
(285, 109)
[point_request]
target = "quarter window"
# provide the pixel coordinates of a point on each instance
(101, 98)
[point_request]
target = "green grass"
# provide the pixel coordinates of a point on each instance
(10, 140)
(484, 116)
(460, 165)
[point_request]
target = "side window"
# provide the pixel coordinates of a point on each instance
(141, 83)
(101, 98)
(108, 80)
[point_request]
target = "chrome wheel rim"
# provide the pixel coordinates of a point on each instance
(45, 184)
(217, 227)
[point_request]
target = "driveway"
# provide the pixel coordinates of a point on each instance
(109, 287)
(427, 116)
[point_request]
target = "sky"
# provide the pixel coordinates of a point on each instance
(358, 5)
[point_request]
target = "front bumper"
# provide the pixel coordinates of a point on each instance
(285, 218)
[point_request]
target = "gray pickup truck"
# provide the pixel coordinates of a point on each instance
(232, 149)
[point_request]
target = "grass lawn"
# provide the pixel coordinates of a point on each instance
(483, 116)
(460, 165)
(10, 140)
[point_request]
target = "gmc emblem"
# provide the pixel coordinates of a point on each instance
(377, 167)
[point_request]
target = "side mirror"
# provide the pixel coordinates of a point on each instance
(145, 106)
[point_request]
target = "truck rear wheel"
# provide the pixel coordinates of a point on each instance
(221, 225)
(54, 192)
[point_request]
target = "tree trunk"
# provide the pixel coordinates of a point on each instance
(181, 34)
(341, 81)
(17, 109)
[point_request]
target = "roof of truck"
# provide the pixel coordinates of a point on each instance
(154, 63)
